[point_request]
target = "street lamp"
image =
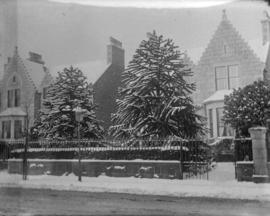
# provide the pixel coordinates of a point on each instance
(79, 114)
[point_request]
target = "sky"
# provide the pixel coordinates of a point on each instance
(68, 33)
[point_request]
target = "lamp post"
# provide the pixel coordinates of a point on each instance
(79, 114)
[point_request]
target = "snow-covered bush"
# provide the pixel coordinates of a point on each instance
(246, 107)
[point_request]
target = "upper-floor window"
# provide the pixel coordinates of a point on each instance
(14, 98)
(227, 77)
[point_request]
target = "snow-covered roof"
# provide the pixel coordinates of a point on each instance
(14, 111)
(218, 96)
(91, 69)
(35, 70)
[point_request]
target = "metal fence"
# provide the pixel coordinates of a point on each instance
(194, 156)
(243, 149)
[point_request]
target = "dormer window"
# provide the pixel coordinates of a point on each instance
(14, 79)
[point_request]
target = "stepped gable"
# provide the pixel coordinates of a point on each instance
(226, 47)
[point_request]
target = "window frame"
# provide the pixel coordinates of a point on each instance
(227, 78)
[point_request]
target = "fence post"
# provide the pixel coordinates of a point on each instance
(181, 161)
(25, 167)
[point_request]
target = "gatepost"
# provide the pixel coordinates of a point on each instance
(259, 152)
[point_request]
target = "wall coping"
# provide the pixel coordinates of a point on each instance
(263, 129)
(244, 162)
(98, 161)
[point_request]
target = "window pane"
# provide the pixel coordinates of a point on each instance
(222, 84)
(220, 122)
(18, 129)
(233, 71)
(6, 129)
(234, 83)
(221, 72)
(10, 98)
(211, 125)
(17, 97)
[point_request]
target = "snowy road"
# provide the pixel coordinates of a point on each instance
(16, 201)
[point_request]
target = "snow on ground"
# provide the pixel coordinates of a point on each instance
(228, 188)
(223, 172)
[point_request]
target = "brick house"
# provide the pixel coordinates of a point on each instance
(21, 93)
(228, 62)
(105, 77)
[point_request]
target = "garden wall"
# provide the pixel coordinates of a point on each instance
(245, 170)
(94, 168)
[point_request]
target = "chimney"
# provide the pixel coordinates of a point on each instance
(266, 28)
(35, 57)
(115, 52)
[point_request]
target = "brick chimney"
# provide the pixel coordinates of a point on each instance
(115, 52)
(266, 28)
(35, 57)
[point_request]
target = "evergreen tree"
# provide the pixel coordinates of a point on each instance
(57, 119)
(155, 96)
(246, 107)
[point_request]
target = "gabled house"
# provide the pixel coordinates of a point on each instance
(228, 62)
(20, 93)
(25, 82)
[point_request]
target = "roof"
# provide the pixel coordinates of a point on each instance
(218, 96)
(91, 69)
(14, 111)
(35, 70)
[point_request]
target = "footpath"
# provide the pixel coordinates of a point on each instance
(221, 184)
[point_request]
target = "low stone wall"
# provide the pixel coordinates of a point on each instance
(94, 168)
(244, 170)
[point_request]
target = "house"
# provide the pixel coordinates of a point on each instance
(105, 77)
(20, 93)
(227, 63)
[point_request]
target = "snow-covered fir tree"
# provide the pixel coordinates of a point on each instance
(155, 98)
(246, 107)
(57, 119)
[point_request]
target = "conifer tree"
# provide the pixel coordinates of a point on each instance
(155, 98)
(57, 119)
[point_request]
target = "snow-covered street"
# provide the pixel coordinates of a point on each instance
(220, 185)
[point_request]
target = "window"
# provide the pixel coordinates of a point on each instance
(227, 77)
(225, 49)
(17, 129)
(14, 98)
(10, 98)
(17, 97)
(6, 129)
(211, 125)
(221, 78)
(220, 122)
